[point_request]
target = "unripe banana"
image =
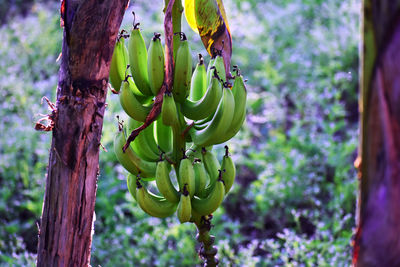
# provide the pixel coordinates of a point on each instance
(228, 171)
(240, 94)
(138, 60)
(154, 205)
(119, 62)
(207, 105)
(211, 164)
(220, 67)
(164, 184)
(186, 176)
(184, 207)
(169, 113)
(198, 84)
(143, 99)
(144, 144)
(155, 64)
(220, 122)
(131, 183)
(164, 136)
(131, 161)
(212, 167)
(206, 206)
(182, 71)
(201, 177)
(210, 70)
(131, 104)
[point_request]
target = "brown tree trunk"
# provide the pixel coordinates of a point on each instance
(90, 31)
(377, 240)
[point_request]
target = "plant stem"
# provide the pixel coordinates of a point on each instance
(207, 250)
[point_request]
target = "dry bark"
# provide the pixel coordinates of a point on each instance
(90, 31)
(377, 240)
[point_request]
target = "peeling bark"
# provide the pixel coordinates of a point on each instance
(90, 31)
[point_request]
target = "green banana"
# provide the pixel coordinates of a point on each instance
(169, 113)
(184, 207)
(164, 184)
(138, 60)
(220, 122)
(131, 104)
(119, 62)
(207, 105)
(182, 71)
(210, 70)
(155, 64)
(131, 183)
(143, 99)
(212, 167)
(211, 164)
(152, 204)
(186, 176)
(209, 204)
(131, 161)
(201, 124)
(144, 144)
(228, 171)
(220, 67)
(240, 94)
(198, 84)
(201, 177)
(164, 136)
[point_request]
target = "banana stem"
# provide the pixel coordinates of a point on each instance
(207, 251)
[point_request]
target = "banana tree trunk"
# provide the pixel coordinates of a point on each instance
(90, 31)
(377, 239)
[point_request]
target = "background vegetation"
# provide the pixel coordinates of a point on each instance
(294, 200)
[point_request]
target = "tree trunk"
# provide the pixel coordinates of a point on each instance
(90, 31)
(377, 240)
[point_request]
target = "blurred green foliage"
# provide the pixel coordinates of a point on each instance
(293, 203)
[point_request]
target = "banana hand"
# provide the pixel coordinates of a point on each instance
(219, 123)
(206, 206)
(131, 104)
(207, 105)
(154, 205)
(240, 94)
(131, 161)
(144, 144)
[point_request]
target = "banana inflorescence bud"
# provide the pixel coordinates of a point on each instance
(203, 109)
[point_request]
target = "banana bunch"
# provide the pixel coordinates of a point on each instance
(199, 189)
(203, 109)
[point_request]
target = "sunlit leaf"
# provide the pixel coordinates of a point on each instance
(189, 14)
